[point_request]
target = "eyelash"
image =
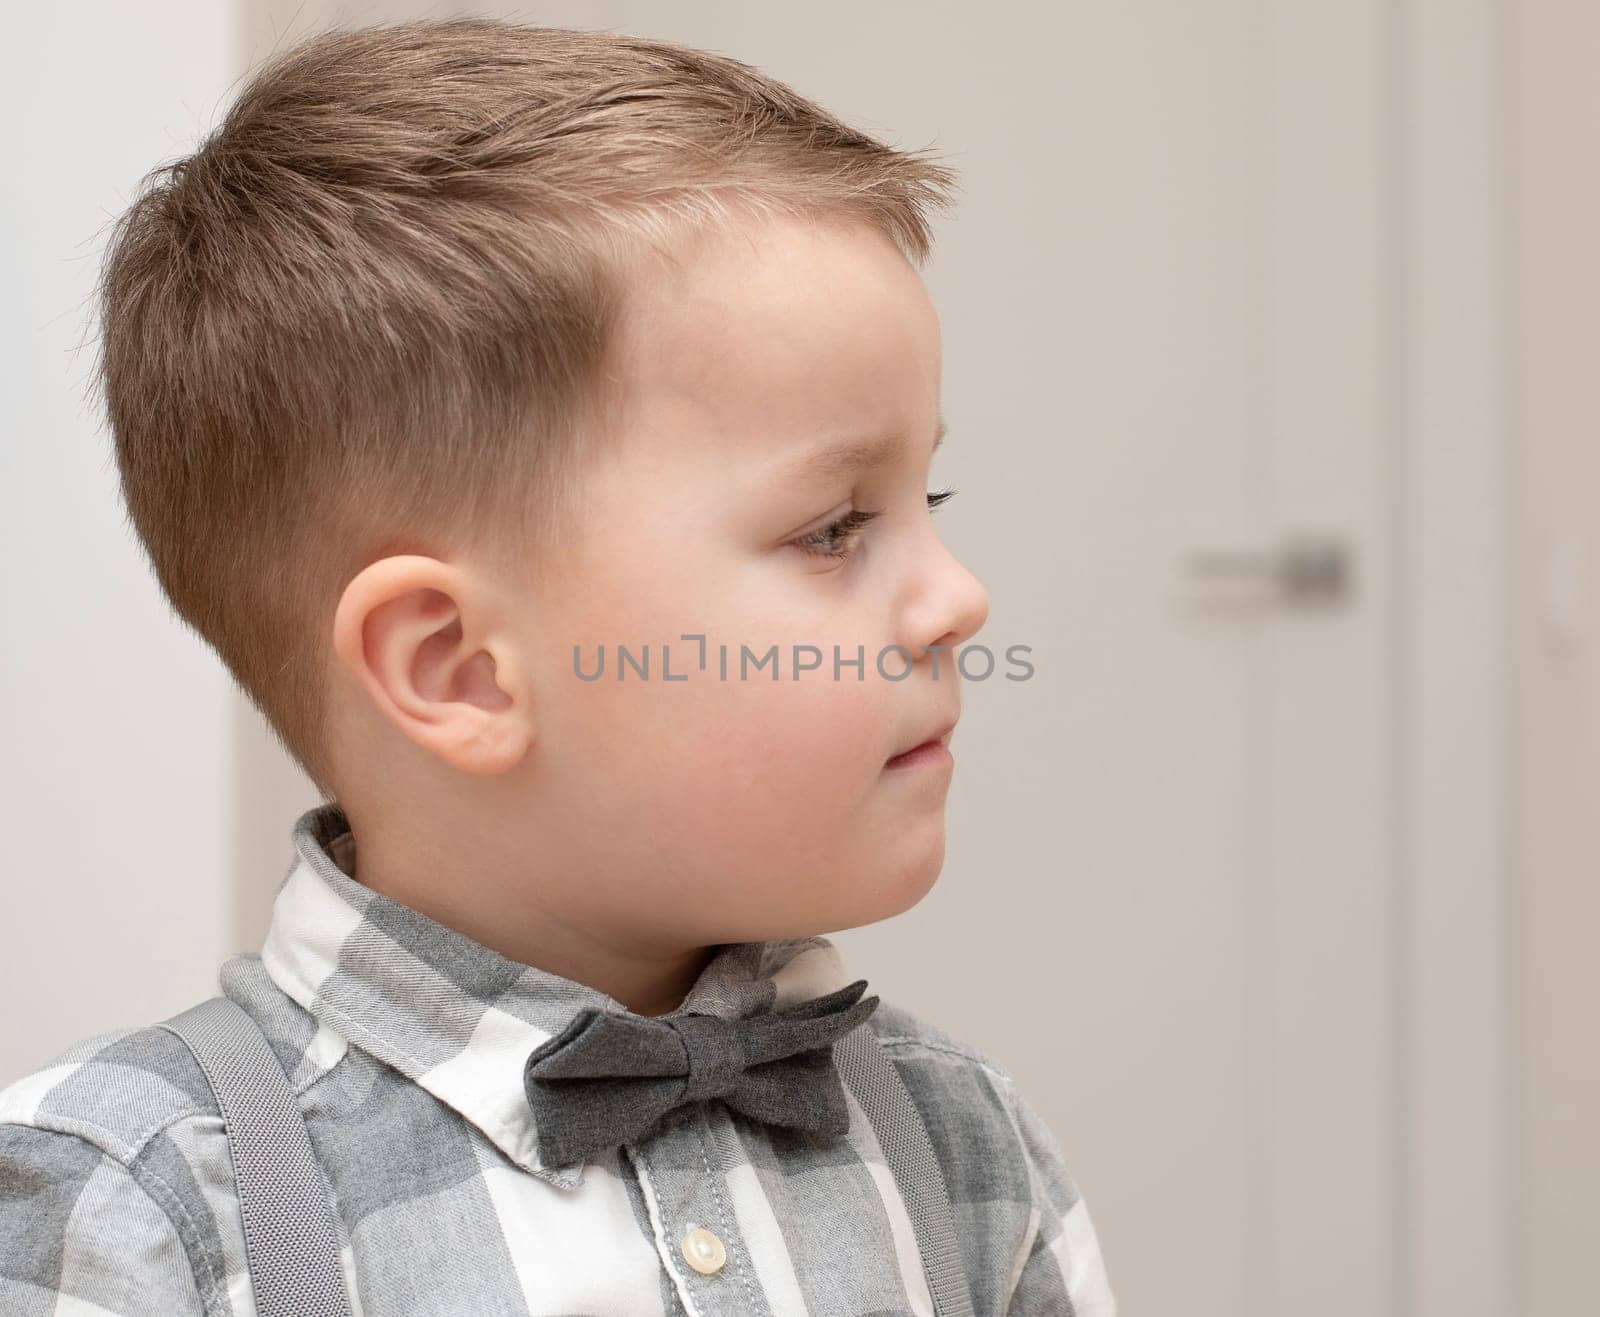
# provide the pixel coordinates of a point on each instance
(838, 538)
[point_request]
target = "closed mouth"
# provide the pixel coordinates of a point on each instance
(939, 738)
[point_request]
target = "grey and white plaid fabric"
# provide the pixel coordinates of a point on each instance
(404, 1041)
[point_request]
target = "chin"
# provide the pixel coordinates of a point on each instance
(889, 892)
(919, 884)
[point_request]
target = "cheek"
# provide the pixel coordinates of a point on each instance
(808, 735)
(750, 768)
(757, 759)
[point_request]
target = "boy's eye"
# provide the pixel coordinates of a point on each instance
(838, 539)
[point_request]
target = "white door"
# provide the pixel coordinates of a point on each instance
(1167, 321)
(1219, 767)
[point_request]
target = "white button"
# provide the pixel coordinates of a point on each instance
(704, 1251)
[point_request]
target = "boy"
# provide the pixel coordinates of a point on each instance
(462, 354)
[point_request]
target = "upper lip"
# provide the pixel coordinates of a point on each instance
(940, 734)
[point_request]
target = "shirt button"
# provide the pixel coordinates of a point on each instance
(704, 1251)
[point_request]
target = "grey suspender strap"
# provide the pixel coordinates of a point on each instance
(289, 1232)
(865, 1066)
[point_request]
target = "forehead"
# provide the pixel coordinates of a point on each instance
(767, 342)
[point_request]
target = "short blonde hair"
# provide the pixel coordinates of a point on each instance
(369, 314)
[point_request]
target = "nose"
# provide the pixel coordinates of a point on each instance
(950, 606)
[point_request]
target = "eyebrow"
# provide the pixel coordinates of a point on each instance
(856, 454)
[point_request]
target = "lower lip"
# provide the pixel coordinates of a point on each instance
(924, 756)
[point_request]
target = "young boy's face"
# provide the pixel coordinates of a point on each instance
(713, 810)
(610, 830)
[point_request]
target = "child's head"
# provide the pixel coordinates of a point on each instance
(463, 346)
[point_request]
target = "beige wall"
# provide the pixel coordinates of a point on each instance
(114, 780)
(1553, 52)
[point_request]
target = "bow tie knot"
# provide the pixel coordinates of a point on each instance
(715, 1057)
(609, 1078)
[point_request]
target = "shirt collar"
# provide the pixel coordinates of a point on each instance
(455, 1016)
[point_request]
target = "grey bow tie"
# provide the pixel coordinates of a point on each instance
(606, 1078)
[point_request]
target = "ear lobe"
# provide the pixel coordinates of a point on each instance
(494, 707)
(484, 744)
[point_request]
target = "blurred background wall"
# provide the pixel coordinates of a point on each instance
(1266, 327)
(1554, 203)
(118, 867)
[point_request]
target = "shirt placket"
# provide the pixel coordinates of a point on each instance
(691, 1213)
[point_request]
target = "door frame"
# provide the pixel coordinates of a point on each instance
(1453, 656)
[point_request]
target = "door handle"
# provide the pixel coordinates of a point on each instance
(1306, 570)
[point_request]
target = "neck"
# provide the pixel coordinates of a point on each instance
(511, 913)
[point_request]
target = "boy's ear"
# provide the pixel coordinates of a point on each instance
(425, 642)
